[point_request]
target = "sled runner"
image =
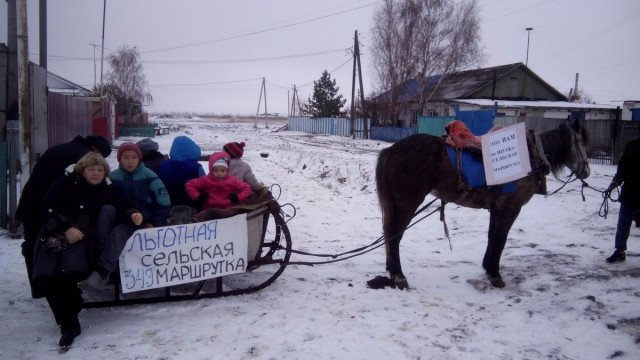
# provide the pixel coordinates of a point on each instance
(218, 253)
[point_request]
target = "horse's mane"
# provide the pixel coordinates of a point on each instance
(557, 144)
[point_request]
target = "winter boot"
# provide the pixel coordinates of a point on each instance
(69, 332)
(95, 282)
(617, 256)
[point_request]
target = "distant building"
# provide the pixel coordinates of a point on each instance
(516, 89)
(631, 110)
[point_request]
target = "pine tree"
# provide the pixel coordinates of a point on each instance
(325, 102)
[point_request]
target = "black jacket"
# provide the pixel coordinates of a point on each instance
(47, 169)
(628, 174)
(152, 160)
(72, 202)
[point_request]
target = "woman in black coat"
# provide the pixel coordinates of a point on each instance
(48, 168)
(78, 211)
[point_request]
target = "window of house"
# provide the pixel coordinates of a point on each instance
(432, 112)
(414, 118)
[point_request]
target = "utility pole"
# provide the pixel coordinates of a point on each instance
(294, 100)
(263, 90)
(526, 64)
(24, 130)
(94, 63)
(356, 61)
(104, 12)
(12, 68)
(43, 33)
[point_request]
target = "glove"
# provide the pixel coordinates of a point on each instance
(234, 198)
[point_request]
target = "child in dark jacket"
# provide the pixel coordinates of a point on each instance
(223, 190)
(151, 157)
(181, 167)
(141, 186)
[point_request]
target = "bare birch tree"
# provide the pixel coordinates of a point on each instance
(126, 79)
(391, 51)
(419, 39)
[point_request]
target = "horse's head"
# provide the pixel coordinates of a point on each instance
(576, 160)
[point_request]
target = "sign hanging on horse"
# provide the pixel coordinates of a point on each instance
(179, 254)
(505, 154)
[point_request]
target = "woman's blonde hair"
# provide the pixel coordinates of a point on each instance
(91, 159)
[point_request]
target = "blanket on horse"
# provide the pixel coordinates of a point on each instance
(472, 170)
(465, 149)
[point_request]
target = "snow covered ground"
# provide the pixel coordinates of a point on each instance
(562, 301)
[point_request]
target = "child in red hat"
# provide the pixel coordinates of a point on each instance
(223, 190)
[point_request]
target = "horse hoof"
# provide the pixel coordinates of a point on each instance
(402, 283)
(380, 282)
(496, 281)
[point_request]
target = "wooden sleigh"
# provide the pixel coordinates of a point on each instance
(268, 249)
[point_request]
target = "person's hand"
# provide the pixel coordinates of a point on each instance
(148, 226)
(234, 198)
(73, 235)
(137, 218)
(614, 184)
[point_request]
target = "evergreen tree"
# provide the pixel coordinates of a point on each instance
(325, 102)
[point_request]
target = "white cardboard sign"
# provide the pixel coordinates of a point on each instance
(178, 254)
(505, 154)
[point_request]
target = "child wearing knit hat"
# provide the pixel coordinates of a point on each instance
(222, 190)
(242, 170)
(151, 157)
(141, 186)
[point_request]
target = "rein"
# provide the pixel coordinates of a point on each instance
(606, 196)
(374, 245)
(575, 144)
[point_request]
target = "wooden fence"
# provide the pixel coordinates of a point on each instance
(139, 130)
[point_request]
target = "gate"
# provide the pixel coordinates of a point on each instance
(478, 121)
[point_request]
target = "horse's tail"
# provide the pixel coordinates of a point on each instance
(384, 191)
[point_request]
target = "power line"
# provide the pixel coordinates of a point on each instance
(195, 62)
(590, 38)
(330, 72)
(258, 31)
(208, 83)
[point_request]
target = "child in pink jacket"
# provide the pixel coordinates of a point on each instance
(223, 190)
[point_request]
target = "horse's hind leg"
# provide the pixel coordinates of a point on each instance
(499, 225)
(393, 232)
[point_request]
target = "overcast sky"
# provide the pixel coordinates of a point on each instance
(211, 56)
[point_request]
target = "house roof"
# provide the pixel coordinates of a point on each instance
(464, 84)
(507, 104)
(59, 84)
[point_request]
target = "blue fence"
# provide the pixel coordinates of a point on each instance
(479, 122)
(391, 134)
(433, 125)
(328, 126)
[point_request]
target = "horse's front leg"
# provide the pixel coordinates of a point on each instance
(499, 225)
